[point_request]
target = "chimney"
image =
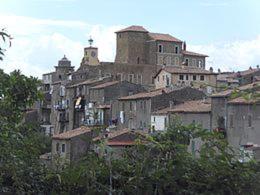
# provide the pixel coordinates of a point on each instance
(250, 68)
(257, 66)
(219, 71)
(184, 46)
(211, 69)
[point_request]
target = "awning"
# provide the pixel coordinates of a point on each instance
(78, 101)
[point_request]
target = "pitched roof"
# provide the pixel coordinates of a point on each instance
(144, 94)
(184, 70)
(103, 85)
(163, 37)
(133, 28)
(195, 106)
(242, 100)
(190, 53)
(241, 88)
(245, 72)
(87, 82)
(114, 139)
(72, 133)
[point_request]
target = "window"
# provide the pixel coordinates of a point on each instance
(138, 60)
(57, 147)
(160, 48)
(231, 120)
(63, 148)
(119, 76)
(165, 122)
(167, 81)
(249, 120)
(181, 77)
(131, 78)
(59, 76)
(154, 119)
(141, 104)
(130, 106)
(187, 62)
(158, 78)
(194, 77)
(140, 79)
(123, 106)
(163, 77)
(202, 78)
(187, 77)
(200, 64)
(176, 49)
(144, 105)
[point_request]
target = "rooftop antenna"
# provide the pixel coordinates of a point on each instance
(90, 41)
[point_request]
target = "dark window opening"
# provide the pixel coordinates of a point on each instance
(160, 48)
(176, 49)
(202, 78)
(194, 77)
(181, 77)
(63, 147)
(138, 60)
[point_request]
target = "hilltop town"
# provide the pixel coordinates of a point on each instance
(153, 82)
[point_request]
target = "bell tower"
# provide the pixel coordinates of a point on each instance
(90, 54)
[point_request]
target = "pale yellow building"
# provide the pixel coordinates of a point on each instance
(179, 76)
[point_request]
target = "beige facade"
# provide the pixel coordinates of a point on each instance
(178, 76)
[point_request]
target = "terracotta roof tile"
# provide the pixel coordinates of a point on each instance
(163, 37)
(190, 53)
(133, 28)
(103, 85)
(144, 95)
(196, 106)
(72, 133)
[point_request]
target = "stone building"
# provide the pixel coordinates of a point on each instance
(102, 96)
(234, 79)
(140, 54)
(196, 111)
(71, 145)
(243, 122)
(135, 110)
(219, 102)
(117, 141)
(176, 76)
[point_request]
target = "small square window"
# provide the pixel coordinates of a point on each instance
(202, 78)
(194, 77)
(181, 77)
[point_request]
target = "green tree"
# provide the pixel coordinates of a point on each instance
(4, 37)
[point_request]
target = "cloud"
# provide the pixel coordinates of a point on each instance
(237, 55)
(38, 44)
